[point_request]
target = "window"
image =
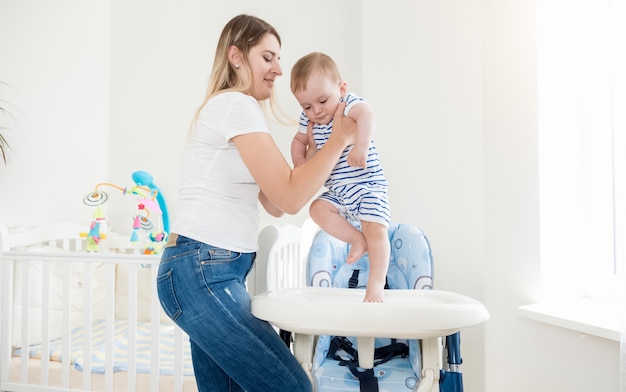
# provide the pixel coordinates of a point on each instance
(582, 144)
(618, 81)
(582, 151)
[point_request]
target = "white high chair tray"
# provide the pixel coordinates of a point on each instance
(405, 314)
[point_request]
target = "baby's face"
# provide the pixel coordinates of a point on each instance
(320, 98)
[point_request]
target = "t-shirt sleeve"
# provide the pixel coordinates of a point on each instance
(242, 115)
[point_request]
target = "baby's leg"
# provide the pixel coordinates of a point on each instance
(328, 219)
(379, 249)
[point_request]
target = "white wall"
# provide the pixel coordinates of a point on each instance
(422, 75)
(54, 56)
(106, 87)
(161, 56)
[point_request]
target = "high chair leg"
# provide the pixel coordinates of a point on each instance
(432, 354)
(303, 351)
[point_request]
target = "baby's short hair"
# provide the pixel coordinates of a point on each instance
(304, 67)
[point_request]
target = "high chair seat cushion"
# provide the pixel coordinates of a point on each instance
(410, 262)
(410, 267)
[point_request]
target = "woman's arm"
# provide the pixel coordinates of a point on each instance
(269, 207)
(286, 188)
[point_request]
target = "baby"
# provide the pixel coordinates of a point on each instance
(357, 188)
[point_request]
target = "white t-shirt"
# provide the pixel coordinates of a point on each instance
(218, 199)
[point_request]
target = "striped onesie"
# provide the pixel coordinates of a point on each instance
(359, 194)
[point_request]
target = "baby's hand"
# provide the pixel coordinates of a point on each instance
(358, 157)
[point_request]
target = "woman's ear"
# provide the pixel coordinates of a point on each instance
(233, 56)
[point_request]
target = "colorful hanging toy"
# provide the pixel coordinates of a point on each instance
(150, 207)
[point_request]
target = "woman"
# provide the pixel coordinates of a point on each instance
(230, 164)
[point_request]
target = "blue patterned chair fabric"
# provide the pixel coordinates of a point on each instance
(410, 267)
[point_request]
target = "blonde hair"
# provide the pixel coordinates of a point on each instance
(243, 31)
(310, 63)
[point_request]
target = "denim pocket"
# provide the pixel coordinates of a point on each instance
(219, 265)
(215, 255)
(167, 296)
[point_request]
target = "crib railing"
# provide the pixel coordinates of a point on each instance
(112, 286)
(68, 263)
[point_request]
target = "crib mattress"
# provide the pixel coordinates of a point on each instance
(98, 382)
(120, 348)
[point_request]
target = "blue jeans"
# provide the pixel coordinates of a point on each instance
(202, 289)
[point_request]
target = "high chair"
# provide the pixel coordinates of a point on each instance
(392, 346)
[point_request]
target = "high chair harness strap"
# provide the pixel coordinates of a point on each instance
(354, 279)
(367, 381)
(353, 282)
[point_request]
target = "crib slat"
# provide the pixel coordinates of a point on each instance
(132, 326)
(178, 360)
(67, 327)
(155, 334)
(25, 267)
(7, 268)
(87, 323)
(109, 329)
(45, 323)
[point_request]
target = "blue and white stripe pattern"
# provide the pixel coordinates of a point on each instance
(342, 172)
(349, 185)
(360, 202)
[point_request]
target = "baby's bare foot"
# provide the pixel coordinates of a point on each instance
(357, 250)
(374, 292)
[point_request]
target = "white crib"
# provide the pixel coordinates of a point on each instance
(87, 318)
(90, 321)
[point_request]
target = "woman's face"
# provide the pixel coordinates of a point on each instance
(264, 66)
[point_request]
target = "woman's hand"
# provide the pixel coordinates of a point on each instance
(344, 127)
(287, 189)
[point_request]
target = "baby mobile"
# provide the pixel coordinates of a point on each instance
(151, 208)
